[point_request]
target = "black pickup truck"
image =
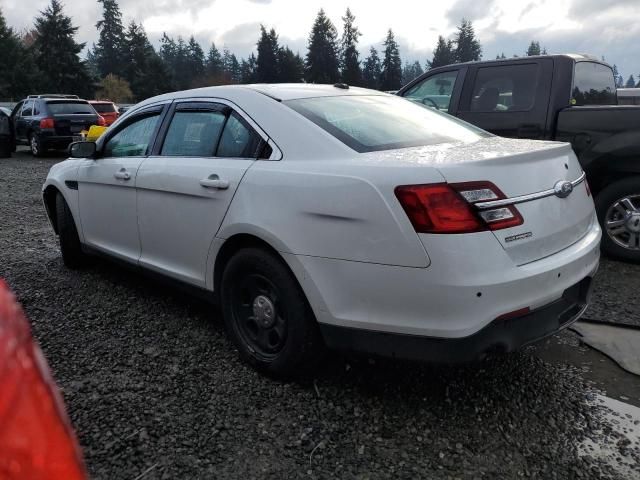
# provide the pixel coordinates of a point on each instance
(569, 98)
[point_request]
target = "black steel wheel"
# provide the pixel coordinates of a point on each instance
(267, 315)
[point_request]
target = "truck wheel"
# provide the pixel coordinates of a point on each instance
(36, 145)
(72, 254)
(267, 315)
(618, 207)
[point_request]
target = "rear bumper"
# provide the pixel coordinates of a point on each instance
(499, 336)
(57, 142)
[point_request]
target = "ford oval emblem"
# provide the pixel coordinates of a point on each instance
(563, 188)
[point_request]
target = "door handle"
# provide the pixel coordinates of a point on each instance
(122, 174)
(213, 181)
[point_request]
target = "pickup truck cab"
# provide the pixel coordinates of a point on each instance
(569, 98)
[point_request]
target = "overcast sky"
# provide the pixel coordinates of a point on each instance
(600, 27)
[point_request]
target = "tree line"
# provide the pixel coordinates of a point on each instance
(124, 66)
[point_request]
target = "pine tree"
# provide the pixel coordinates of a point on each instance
(248, 69)
(617, 77)
(144, 70)
(19, 75)
(631, 82)
(391, 77)
(56, 48)
(321, 63)
(267, 63)
(214, 61)
(411, 71)
(443, 54)
(534, 49)
(290, 66)
(195, 61)
(371, 70)
(468, 47)
(109, 52)
(501, 56)
(349, 57)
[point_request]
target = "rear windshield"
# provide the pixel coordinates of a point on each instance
(66, 107)
(383, 122)
(593, 84)
(104, 107)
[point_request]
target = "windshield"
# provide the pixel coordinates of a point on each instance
(67, 108)
(104, 107)
(593, 84)
(380, 122)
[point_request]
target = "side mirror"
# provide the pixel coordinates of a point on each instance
(82, 150)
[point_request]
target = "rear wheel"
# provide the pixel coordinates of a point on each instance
(267, 315)
(72, 254)
(36, 145)
(618, 207)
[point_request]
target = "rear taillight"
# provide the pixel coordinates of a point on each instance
(101, 121)
(448, 208)
(47, 123)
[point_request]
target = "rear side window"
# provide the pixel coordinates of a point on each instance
(193, 134)
(593, 84)
(66, 107)
(508, 88)
(435, 91)
(238, 139)
(133, 140)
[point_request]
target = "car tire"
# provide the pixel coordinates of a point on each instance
(35, 144)
(610, 204)
(72, 254)
(267, 315)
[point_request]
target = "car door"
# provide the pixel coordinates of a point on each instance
(106, 185)
(509, 100)
(186, 187)
(22, 119)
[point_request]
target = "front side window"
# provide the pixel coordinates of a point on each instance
(368, 123)
(193, 134)
(508, 88)
(133, 140)
(27, 109)
(435, 91)
(593, 84)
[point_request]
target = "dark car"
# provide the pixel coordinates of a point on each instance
(569, 98)
(106, 109)
(7, 134)
(47, 122)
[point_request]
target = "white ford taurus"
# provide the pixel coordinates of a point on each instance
(327, 215)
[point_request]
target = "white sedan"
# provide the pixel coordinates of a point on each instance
(332, 216)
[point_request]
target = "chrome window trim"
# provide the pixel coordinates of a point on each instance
(526, 198)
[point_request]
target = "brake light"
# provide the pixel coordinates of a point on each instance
(448, 208)
(101, 121)
(47, 123)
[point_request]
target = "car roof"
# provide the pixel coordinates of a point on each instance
(100, 101)
(576, 57)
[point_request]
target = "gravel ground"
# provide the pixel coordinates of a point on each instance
(155, 390)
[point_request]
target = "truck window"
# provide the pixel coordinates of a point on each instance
(593, 84)
(434, 91)
(508, 88)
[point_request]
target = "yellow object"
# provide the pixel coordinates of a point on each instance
(94, 133)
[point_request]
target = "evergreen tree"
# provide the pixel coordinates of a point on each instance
(411, 71)
(349, 61)
(501, 56)
(214, 61)
(19, 75)
(468, 47)
(144, 70)
(617, 77)
(56, 48)
(371, 70)
(391, 77)
(248, 69)
(443, 54)
(230, 67)
(290, 66)
(631, 82)
(195, 63)
(109, 52)
(534, 49)
(321, 63)
(267, 63)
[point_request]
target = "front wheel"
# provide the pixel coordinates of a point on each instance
(72, 254)
(267, 315)
(618, 207)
